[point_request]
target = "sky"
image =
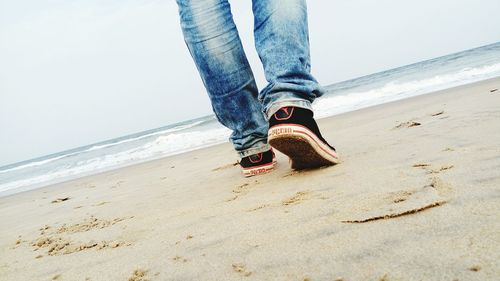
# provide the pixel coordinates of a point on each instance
(76, 72)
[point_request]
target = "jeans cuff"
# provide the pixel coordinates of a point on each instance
(275, 106)
(259, 148)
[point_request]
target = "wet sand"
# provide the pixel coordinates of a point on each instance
(417, 197)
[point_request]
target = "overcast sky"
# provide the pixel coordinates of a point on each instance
(75, 72)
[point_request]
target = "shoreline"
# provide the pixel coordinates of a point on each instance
(8, 192)
(416, 197)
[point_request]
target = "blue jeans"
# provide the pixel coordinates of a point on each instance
(282, 42)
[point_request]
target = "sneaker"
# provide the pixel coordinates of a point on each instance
(293, 131)
(258, 164)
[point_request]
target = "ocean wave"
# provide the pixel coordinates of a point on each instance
(102, 146)
(392, 91)
(174, 143)
(162, 132)
(34, 164)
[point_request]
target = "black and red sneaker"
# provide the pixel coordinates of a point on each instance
(258, 164)
(294, 132)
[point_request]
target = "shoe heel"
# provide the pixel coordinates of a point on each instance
(302, 146)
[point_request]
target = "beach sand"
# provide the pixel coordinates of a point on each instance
(417, 197)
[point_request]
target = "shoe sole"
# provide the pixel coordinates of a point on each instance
(303, 147)
(259, 170)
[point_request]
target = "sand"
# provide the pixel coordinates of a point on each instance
(417, 197)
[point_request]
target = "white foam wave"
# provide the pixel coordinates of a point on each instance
(336, 104)
(34, 164)
(171, 144)
(163, 132)
(102, 146)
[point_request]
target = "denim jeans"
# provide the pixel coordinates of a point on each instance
(282, 42)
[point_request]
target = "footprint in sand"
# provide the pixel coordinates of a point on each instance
(239, 191)
(241, 188)
(297, 198)
(241, 268)
(59, 200)
(411, 123)
(101, 203)
(138, 275)
(258, 208)
(225, 167)
(396, 214)
(443, 168)
(57, 241)
(300, 197)
(87, 225)
(433, 170)
(117, 184)
(401, 203)
(475, 268)
(180, 259)
(421, 165)
(60, 246)
(442, 188)
(438, 113)
(400, 196)
(18, 242)
(408, 124)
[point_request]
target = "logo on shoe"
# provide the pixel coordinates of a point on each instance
(284, 113)
(255, 158)
(280, 131)
(259, 171)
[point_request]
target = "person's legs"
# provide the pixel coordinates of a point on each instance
(214, 43)
(282, 42)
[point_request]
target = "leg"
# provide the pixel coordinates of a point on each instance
(282, 42)
(212, 38)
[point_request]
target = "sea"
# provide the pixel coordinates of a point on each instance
(407, 81)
